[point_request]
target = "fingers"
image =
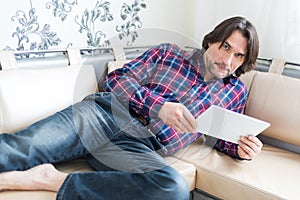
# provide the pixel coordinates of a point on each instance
(249, 147)
(178, 117)
(183, 120)
(188, 121)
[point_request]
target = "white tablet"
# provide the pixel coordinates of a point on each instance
(228, 125)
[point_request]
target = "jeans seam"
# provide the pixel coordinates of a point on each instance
(121, 131)
(67, 158)
(62, 189)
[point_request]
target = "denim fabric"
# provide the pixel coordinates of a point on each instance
(124, 153)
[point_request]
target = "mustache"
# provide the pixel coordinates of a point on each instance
(223, 65)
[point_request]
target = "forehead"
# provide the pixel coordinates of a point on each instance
(237, 42)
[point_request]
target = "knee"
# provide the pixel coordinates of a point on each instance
(174, 185)
(179, 187)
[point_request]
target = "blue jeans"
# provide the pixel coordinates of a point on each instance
(125, 154)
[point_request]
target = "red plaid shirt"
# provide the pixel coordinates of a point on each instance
(168, 73)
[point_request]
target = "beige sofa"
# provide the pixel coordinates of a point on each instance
(274, 98)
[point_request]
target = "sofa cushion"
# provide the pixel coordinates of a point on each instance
(27, 95)
(113, 65)
(80, 165)
(187, 170)
(247, 78)
(261, 178)
(274, 98)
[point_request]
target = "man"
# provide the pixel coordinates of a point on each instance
(147, 111)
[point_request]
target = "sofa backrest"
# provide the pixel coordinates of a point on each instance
(275, 98)
(28, 95)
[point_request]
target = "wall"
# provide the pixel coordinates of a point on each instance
(277, 23)
(52, 24)
(37, 24)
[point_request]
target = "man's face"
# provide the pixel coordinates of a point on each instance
(222, 61)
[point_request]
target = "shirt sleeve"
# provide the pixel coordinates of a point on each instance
(129, 83)
(228, 148)
(237, 105)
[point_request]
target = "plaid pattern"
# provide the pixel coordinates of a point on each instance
(168, 73)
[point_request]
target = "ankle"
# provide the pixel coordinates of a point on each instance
(42, 177)
(49, 178)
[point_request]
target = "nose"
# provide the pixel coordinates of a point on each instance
(228, 60)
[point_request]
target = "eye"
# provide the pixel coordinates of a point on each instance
(240, 56)
(226, 46)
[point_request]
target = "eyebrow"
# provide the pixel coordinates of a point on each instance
(227, 43)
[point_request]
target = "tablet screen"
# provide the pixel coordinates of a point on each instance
(228, 125)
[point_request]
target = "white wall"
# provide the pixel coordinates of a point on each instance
(277, 23)
(172, 20)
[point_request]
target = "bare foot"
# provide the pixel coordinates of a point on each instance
(41, 177)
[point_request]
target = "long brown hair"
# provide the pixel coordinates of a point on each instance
(223, 31)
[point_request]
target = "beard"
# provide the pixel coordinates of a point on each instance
(215, 70)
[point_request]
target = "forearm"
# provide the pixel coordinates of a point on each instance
(228, 148)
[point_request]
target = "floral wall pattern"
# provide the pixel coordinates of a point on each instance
(49, 24)
(55, 24)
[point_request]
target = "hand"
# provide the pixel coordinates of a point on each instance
(249, 147)
(178, 117)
